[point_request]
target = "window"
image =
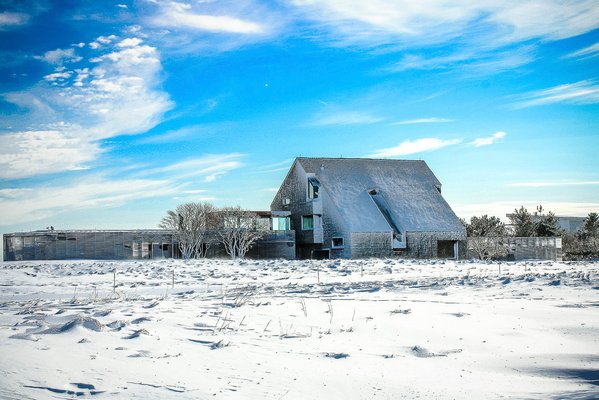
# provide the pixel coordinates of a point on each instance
(313, 185)
(280, 223)
(307, 222)
(337, 243)
(263, 224)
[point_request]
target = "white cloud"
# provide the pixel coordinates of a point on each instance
(58, 76)
(12, 19)
(485, 141)
(587, 52)
(474, 61)
(106, 39)
(31, 204)
(31, 153)
(181, 134)
(59, 56)
(437, 21)
(93, 191)
(344, 118)
(547, 19)
(554, 183)
(130, 42)
(274, 167)
(181, 15)
(582, 92)
(416, 146)
(119, 94)
(210, 167)
(433, 120)
(214, 26)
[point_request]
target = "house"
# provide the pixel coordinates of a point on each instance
(356, 208)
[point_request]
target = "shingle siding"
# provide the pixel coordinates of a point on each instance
(410, 194)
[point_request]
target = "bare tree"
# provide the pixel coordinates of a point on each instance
(238, 231)
(485, 237)
(487, 247)
(190, 223)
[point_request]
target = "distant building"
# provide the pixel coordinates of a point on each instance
(277, 242)
(570, 224)
(356, 208)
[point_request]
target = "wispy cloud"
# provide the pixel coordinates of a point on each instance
(587, 52)
(12, 19)
(432, 120)
(479, 61)
(380, 21)
(210, 167)
(59, 56)
(553, 183)
(545, 19)
(582, 92)
(415, 146)
(274, 167)
(183, 134)
(344, 118)
(485, 141)
(116, 92)
(181, 15)
(32, 153)
(94, 191)
(212, 26)
(31, 204)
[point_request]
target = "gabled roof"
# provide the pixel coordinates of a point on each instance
(409, 188)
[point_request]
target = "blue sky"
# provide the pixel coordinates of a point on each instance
(115, 112)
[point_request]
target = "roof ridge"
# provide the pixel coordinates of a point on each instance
(357, 158)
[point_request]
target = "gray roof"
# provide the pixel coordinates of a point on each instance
(409, 188)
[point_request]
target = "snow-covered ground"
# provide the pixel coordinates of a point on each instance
(299, 330)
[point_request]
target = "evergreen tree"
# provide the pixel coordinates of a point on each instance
(547, 226)
(590, 227)
(523, 223)
(485, 226)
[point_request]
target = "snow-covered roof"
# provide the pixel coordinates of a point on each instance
(410, 190)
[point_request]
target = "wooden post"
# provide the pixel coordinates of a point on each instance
(318, 273)
(173, 278)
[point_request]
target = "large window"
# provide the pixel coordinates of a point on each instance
(280, 223)
(307, 222)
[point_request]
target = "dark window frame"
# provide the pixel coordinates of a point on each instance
(337, 245)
